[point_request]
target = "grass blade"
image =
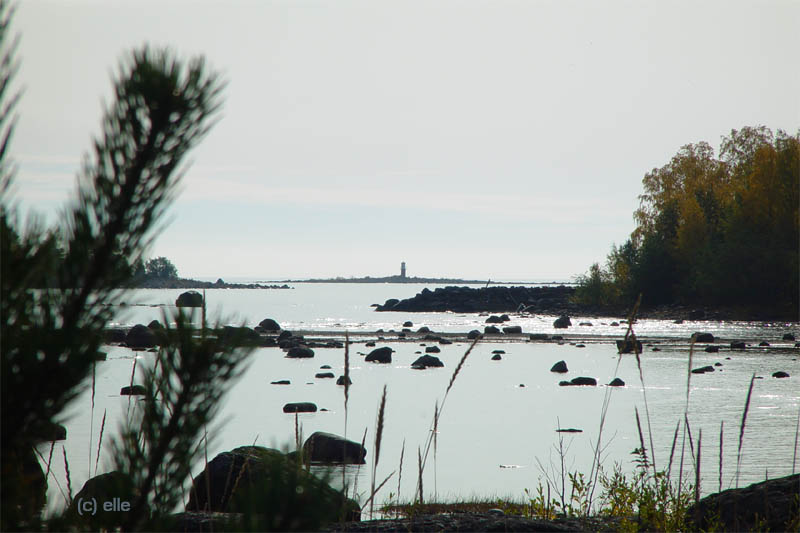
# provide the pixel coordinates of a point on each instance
(100, 442)
(741, 428)
(378, 437)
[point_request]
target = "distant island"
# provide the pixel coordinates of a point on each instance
(401, 278)
(183, 283)
(392, 279)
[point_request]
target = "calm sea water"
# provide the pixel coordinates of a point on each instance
(495, 437)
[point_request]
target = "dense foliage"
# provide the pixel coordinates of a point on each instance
(712, 230)
(160, 267)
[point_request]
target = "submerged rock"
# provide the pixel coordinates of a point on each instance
(703, 370)
(780, 374)
(702, 337)
(300, 407)
(328, 448)
(562, 322)
(512, 330)
(269, 325)
(380, 355)
(300, 352)
(426, 361)
(133, 390)
(189, 299)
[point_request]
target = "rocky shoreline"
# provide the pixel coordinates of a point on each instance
(558, 300)
(184, 283)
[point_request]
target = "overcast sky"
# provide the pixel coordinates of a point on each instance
(480, 139)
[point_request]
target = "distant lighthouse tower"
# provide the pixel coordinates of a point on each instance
(403, 269)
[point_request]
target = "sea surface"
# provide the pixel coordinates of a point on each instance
(497, 429)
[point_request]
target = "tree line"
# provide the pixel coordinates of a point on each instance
(711, 230)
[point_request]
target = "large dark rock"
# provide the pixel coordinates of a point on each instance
(562, 322)
(269, 488)
(324, 375)
(616, 382)
(269, 325)
(341, 380)
(771, 505)
(512, 329)
(432, 349)
(332, 449)
(788, 337)
(703, 370)
(408, 324)
(239, 336)
(474, 334)
(189, 299)
(140, 336)
(300, 352)
(113, 494)
(539, 336)
(738, 345)
(300, 407)
(380, 355)
(702, 337)
(115, 335)
(712, 349)
(494, 319)
(491, 330)
(133, 390)
(629, 346)
(780, 374)
(580, 381)
(560, 367)
(497, 299)
(426, 361)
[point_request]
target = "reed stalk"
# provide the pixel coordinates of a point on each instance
(429, 442)
(400, 471)
(435, 447)
(50, 472)
(697, 468)
(686, 410)
(69, 478)
(346, 400)
(378, 437)
(691, 441)
(133, 373)
(672, 451)
(796, 433)
(358, 468)
(91, 415)
(100, 442)
(741, 428)
(419, 485)
(50, 459)
(645, 462)
(721, 438)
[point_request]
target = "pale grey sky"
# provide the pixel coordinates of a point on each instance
(486, 139)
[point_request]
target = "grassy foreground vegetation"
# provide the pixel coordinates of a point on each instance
(712, 230)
